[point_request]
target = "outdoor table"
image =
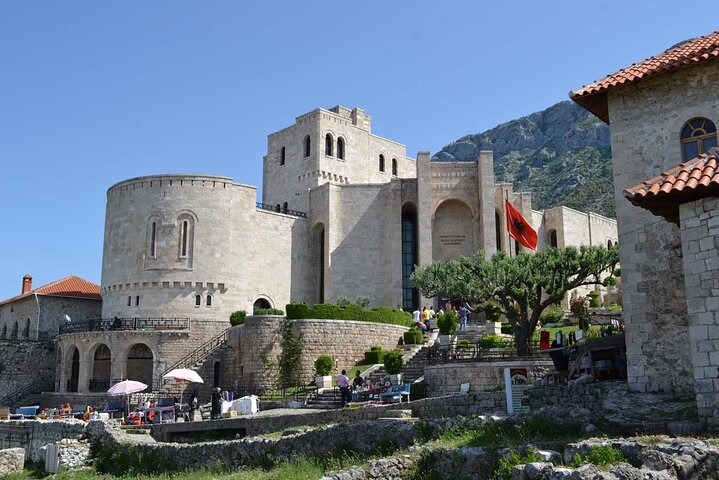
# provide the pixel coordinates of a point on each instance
(161, 414)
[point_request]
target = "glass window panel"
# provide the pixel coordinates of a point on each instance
(708, 143)
(709, 127)
(690, 150)
(697, 122)
(687, 131)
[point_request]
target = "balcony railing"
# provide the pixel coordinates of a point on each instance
(278, 209)
(99, 385)
(124, 324)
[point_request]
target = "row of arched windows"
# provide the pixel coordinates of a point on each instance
(330, 148)
(15, 332)
(198, 300)
(382, 165)
(185, 236)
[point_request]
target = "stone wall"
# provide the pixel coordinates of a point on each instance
(646, 119)
(23, 364)
(482, 376)
(700, 247)
(255, 359)
(53, 310)
(11, 460)
(32, 435)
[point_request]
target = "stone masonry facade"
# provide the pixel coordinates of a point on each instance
(700, 246)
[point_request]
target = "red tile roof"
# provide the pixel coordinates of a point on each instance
(688, 181)
(593, 97)
(71, 286)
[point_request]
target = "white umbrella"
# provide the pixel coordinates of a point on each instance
(183, 375)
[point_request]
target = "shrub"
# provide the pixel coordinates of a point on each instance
(594, 299)
(464, 344)
(492, 341)
(343, 300)
(413, 337)
(363, 301)
(374, 356)
(610, 281)
(507, 329)
(375, 349)
(492, 311)
(551, 314)
(353, 311)
(617, 272)
(578, 305)
(323, 365)
(393, 363)
(447, 323)
(267, 311)
(506, 465)
(237, 318)
(600, 456)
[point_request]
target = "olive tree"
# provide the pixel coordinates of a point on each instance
(523, 285)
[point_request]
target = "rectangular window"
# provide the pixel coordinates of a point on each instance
(129, 301)
(183, 251)
(137, 301)
(153, 237)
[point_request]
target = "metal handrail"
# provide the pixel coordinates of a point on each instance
(198, 355)
(37, 386)
(473, 352)
(124, 324)
(278, 209)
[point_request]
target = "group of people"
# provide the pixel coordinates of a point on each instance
(358, 384)
(425, 318)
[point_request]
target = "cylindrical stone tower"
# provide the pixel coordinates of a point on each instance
(168, 248)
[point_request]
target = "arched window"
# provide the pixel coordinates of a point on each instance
(198, 300)
(394, 167)
(14, 333)
(153, 239)
(698, 136)
(284, 207)
(209, 300)
(328, 144)
(184, 237)
(308, 146)
(381, 162)
(278, 208)
(341, 148)
(609, 243)
(282, 156)
(26, 330)
(129, 300)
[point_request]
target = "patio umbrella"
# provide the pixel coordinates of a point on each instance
(126, 387)
(183, 375)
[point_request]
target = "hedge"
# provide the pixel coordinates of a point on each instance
(323, 365)
(267, 311)
(393, 363)
(329, 311)
(493, 341)
(413, 337)
(507, 329)
(374, 356)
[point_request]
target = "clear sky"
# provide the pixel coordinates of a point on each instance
(95, 92)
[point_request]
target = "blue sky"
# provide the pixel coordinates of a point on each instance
(95, 92)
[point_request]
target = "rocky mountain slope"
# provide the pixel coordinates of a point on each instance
(560, 154)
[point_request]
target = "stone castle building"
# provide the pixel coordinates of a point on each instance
(663, 111)
(344, 212)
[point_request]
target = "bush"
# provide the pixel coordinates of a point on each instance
(594, 299)
(374, 356)
(393, 363)
(343, 300)
(551, 314)
(507, 464)
(617, 272)
(237, 318)
(447, 323)
(492, 341)
(329, 311)
(492, 311)
(267, 311)
(600, 456)
(464, 344)
(610, 281)
(413, 337)
(507, 329)
(323, 365)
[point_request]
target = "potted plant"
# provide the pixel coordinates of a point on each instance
(492, 313)
(393, 366)
(447, 324)
(323, 368)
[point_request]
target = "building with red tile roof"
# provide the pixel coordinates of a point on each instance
(663, 114)
(37, 313)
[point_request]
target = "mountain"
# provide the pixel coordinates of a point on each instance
(560, 154)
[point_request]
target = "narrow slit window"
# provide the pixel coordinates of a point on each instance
(185, 228)
(198, 300)
(137, 300)
(381, 163)
(129, 301)
(282, 156)
(153, 239)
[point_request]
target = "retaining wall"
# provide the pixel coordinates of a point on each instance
(32, 435)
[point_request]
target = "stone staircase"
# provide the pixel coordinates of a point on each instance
(413, 363)
(327, 399)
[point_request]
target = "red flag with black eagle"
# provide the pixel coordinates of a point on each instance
(519, 228)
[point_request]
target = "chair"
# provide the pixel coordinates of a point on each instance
(27, 411)
(395, 393)
(463, 389)
(4, 413)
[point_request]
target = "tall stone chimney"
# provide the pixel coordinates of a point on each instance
(26, 283)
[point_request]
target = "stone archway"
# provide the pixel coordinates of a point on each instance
(73, 369)
(14, 332)
(452, 231)
(140, 364)
(261, 302)
(4, 330)
(101, 367)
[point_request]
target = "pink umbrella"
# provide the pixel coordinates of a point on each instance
(126, 387)
(183, 375)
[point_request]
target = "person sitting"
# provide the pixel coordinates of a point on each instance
(421, 326)
(88, 413)
(357, 381)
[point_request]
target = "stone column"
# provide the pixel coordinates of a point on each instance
(485, 187)
(424, 213)
(699, 222)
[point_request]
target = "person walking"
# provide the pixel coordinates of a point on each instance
(344, 383)
(216, 408)
(463, 313)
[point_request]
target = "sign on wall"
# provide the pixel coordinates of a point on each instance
(516, 383)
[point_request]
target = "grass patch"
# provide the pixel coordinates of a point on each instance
(593, 329)
(600, 456)
(504, 469)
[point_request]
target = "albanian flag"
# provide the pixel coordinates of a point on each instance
(519, 228)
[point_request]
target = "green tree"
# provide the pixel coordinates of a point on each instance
(523, 285)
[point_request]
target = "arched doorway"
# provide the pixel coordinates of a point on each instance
(13, 334)
(74, 370)
(100, 380)
(410, 295)
(26, 330)
(140, 364)
(261, 303)
(216, 374)
(553, 239)
(452, 231)
(318, 249)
